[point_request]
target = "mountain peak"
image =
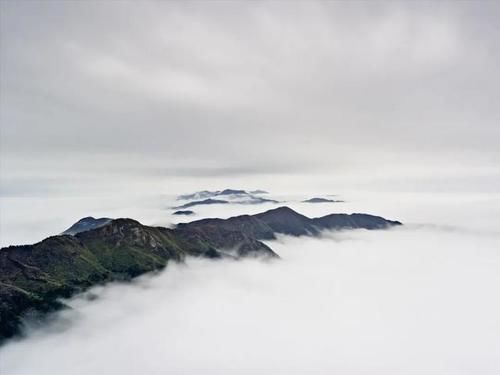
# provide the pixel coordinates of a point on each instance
(232, 191)
(282, 210)
(287, 221)
(85, 224)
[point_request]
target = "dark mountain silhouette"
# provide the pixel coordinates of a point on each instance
(202, 202)
(232, 192)
(87, 223)
(320, 200)
(234, 196)
(183, 212)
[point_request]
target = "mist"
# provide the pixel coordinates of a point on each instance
(416, 299)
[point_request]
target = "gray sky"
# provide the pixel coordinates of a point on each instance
(223, 88)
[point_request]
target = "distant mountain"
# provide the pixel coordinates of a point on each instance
(232, 192)
(35, 277)
(183, 212)
(236, 196)
(259, 192)
(203, 202)
(251, 199)
(87, 223)
(230, 196)
(321, 200)
(353, 221)
(198, 195)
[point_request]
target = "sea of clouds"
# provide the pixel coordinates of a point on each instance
(419, 299)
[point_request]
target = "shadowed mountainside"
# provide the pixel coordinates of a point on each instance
(34, 277)
(87, 223)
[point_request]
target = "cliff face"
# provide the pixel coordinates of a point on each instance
(34, 277)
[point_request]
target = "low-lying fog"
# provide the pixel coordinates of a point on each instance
(420, 299)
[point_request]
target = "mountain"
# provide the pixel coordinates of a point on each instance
(257, 200)
(286, 221)
(320, 200)
(242, 200)
(353, 221)
(203, 194)
(197, 195)
(232, 192)
(34, 277)
(258, 191)
(183, 212)
(202, 202)
(236, 196)
(87, 223)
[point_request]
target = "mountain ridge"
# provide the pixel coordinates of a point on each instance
(34, 277)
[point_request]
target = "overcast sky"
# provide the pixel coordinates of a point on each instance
(223, 88)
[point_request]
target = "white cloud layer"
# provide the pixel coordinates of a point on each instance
(417, 299)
